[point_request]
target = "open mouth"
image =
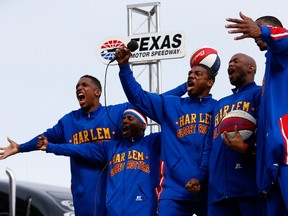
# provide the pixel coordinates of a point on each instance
(190, 85)
(230, 72)
(81, 97)
(124, 128)
(125, 131)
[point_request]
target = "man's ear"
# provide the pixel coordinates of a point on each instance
(98, 92)
(210, 83)
(143, 126)
(252, 69)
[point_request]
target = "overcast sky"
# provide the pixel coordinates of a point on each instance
(46, 45)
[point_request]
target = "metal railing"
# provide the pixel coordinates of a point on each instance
(12, 192)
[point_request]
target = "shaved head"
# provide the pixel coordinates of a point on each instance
(241, 70)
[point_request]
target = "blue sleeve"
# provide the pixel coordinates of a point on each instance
(178, 91)
(150, 104)
(93, 152)
(54, 135)
(29, 146)
(276, 38)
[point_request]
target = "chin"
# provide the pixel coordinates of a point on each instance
(86, 109)
(191, 92)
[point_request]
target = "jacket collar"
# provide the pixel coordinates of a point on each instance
(201, 98)
(244, 88)
(93, 113)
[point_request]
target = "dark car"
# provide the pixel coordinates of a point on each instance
(34, 199)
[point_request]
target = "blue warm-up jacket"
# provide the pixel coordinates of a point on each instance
(233, 174)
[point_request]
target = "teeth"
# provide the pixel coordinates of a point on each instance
(80, 95)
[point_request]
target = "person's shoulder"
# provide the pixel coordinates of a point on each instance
(209, 99)
(125, 105)
(257, 91)
(225, 98)
(257, 88)
(252, 87)
(73, 113)
(213, 100)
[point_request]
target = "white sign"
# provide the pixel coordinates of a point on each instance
(158, 46)
(152, 46)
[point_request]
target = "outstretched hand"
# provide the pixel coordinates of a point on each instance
(193, 186)
(42, 143)
(248, 27)
(12, 149)
(236, 143)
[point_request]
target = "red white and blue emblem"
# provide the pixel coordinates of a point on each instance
(108, 48)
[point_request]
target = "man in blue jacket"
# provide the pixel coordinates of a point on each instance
(184, 125)
(132, 165)
(272, 138)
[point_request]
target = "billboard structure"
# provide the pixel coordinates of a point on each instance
(154, 46)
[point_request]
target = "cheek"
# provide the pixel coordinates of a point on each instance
(202, 84)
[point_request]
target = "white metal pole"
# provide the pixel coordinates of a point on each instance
(12, 192)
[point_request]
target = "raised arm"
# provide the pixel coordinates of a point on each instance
(150, 104)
